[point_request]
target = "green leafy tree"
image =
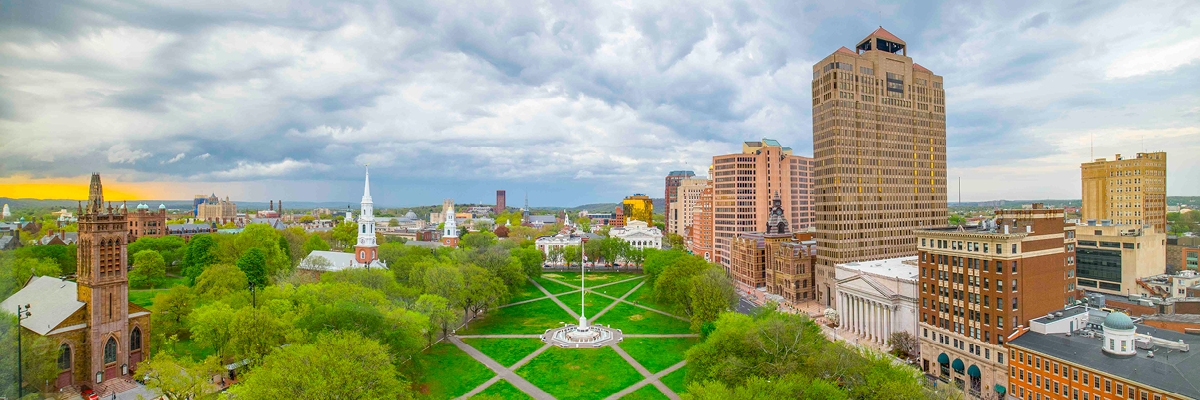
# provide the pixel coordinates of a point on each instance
(440, 313)
(38, 363)
(210, 325)
(350, 367)
(220, 281)
(711, 294)
(179, 378)
(571, 255)
(478, 240)
(315, 243)
(446, 282)
(585, 224)
(199, 255)
(673, 286)
(149, 269)
(956, 219)
(531, 260)
(482, 290)
(345, 234)
(64, 255)
(675, 241)
(254, 265)
(255, 332)
(262, 237)
(15, 271)
(171, 310)
(285, 248)
(172, 248)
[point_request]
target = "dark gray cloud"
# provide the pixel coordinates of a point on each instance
(575, 100)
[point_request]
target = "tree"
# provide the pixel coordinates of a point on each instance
(531, 260)
(15, 271)
(393, 222)
(254, 333)
(673, 286)
(171, 248)
(441, 314)
(482, 225)
(793, 386)
(315, 243)
(478, 240)
(316, 263)
(501, 264)
(285, 248)
(903, 344)
(307, 219)
(149, 269)
(64, 255)
(199, 255)
(171, 311)
(675, 241)
(446, 282)
(555, 255)
(210, 325)
(571, 255)
(220, 281)
(711, 294)
(345, 234)
(956, 219)
(350, 367)
(482, 290)
(585, 224)
(38, 363)
(262, 237)
(179, 379)
(254, 265)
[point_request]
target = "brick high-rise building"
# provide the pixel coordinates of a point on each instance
(500, 206)
(671, 194)
(1127, 191)
(700, 239)
(743, 184)
(879, 154)
(980, 285)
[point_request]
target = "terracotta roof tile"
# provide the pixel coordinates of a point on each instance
(883, 33)
(918, 67)
(846, 51)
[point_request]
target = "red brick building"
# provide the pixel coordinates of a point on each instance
(144, 222)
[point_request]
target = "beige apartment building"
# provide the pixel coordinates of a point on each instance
(879, 154)
(743, 184)
(681, 211)
(1127, 191)
(700, 236)
(1113, 257)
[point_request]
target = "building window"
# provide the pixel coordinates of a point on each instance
(135, 339)
(64, 357)
(110, 351)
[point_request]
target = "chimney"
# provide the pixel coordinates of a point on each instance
(272, 205)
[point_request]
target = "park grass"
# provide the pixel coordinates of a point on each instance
(595, 302)
(504, 390)
(553, 287)
(527, 292)
(634, 320)
(648, 392)
(529, 318)
(187, 348)
(656, 354)
(145, 298)
(448, 372)
(676, 380)
(619, 289)
(645, 296)
(505, 351)
(593, 278)
(580, 373)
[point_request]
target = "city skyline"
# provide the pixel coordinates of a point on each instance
(577, 103)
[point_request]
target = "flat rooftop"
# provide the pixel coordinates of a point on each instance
(1170, 370)
(899, 267)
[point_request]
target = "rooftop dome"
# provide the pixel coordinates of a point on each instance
(410, 214)
(162, 206)
(143, 207)
(1118, 320)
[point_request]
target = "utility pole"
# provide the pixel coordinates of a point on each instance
(22, 314)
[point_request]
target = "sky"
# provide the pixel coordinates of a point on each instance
(570, 102)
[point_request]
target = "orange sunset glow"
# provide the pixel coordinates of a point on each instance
(66, 189)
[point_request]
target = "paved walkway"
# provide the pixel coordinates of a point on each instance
(531, 336)
(502, 372)
(556, 300)
(645, 308)
(614, 304)
(663, 335)
(652, 379)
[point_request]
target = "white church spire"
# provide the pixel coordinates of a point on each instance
(364, 249)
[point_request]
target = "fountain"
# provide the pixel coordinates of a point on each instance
(583, 334)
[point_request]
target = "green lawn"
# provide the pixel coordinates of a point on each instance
(630, 319)
(447, 372)
(188, 348)
(580, 373)
(505, 351)
(645, 297)
(553, 288)
(595, 302)
(503, 390)
(527, 292)
(619, 289)
(529, 318)
(144, 298)
(675, 380)
(648, 392)
(656, 354)
(593, 278)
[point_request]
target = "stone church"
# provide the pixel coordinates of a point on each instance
(101, 336)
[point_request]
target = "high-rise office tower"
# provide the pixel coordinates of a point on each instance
(1127, 191)
(672, 195)
(743, 185)
(500, 206)
(680, 212)
(638, 207)
(700, 240)
(879, 154)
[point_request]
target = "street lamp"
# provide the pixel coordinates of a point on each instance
(253, 297)
(22, 314)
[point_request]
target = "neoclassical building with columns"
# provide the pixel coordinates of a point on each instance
(876, 298)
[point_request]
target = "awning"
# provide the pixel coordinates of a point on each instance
(957, 365)
(943, 358)
(1000, 389)
(973, 371)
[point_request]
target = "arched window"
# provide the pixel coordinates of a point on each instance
(64, 357)
(110, 351)
(135, 339)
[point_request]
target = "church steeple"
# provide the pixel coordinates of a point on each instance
(450, 226)
(95, 195)
(365, 249)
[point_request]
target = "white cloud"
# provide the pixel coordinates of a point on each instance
(122, 154)
(203, 156)
(176, 158)
(257, 170)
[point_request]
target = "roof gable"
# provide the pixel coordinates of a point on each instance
(51, 301)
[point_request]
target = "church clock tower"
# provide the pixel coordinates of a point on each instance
(450, 227)
(366, 250)
(103, 286)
